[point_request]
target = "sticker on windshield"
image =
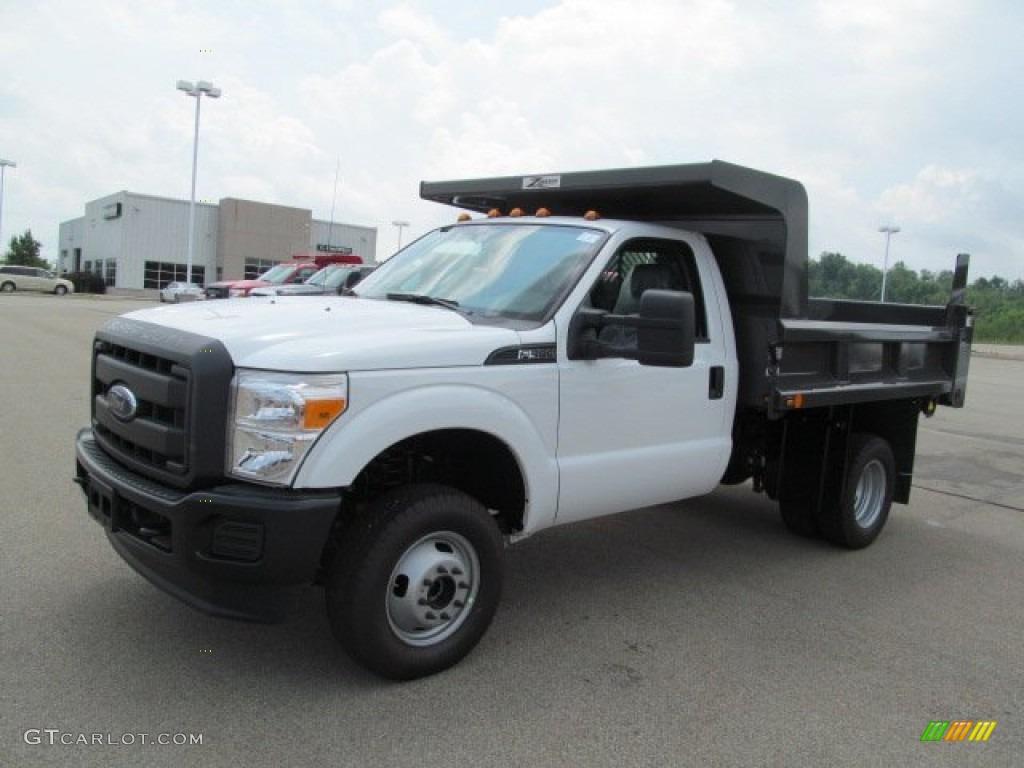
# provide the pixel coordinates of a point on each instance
(588, 237)
(542, 182)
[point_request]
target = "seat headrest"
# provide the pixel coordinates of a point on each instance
(647, 276)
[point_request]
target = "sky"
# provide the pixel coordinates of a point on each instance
(890, 112)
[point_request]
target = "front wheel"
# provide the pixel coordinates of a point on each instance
(7, 287)
(855, 520)
(414, 585)
(60, 290)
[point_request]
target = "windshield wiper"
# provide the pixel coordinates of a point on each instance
(422, 298)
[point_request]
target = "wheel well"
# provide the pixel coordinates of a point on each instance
(476, 463)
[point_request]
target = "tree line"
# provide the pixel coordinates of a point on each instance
(998, 303)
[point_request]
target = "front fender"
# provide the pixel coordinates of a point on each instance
(355, 439)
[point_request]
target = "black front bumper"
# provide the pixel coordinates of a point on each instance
(235, 550)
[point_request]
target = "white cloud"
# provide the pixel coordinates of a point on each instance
(878, 106)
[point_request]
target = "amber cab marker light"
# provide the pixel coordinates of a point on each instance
(543, 213)
(464, 217)
(591, 216)
(493, 213)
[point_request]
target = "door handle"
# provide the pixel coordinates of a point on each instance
(716, 382)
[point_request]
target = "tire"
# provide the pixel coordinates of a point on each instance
(60, 290)
(856, 519)
(7, 287)
(414, 585)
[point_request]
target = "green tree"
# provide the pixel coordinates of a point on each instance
(24, 250)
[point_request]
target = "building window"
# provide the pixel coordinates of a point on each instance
(110, 274)
(159, 273)
(256, 267)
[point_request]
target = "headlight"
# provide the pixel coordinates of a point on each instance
(276, 418)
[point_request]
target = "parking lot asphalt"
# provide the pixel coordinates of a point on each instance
(697, 633)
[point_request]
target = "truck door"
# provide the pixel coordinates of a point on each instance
(632, 435)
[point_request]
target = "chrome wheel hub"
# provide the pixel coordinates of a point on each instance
(432, 588)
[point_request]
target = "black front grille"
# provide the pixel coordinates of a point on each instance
(178, 383)
(155, 435)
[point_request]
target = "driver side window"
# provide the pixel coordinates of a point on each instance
(638, 266)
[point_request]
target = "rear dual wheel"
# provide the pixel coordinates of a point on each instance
(855, 518)
(859, 516)
(415, 585)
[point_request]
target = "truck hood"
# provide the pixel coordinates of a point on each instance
(334, 334)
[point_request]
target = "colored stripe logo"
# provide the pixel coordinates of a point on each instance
(958, 730)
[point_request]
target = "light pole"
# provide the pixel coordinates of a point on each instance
(889, 230)
(196, 91)
(399, 223)
(4, 165)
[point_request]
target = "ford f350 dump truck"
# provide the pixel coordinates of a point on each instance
(594, 342)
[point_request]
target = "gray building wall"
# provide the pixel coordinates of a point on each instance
(70, 239)
(250, 230)
(362, 240)
(129, 229)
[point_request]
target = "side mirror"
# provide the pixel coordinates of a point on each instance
(665, 331)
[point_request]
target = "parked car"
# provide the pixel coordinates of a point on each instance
(295, 272)
(178, 292)
(19, 278)
(335, 278)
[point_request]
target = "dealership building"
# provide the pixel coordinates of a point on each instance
(138, 242)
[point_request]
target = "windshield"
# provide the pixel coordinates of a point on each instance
(277, 273)
(319, 278)
(515, 271)
(337, 277)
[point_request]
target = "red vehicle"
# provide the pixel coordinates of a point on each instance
(302, 266)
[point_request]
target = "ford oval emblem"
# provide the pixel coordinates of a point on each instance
(122, 401)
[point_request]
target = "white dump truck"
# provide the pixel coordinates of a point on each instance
(586, 343)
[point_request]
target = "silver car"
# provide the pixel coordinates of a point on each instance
(178, 292)
(18, 278)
